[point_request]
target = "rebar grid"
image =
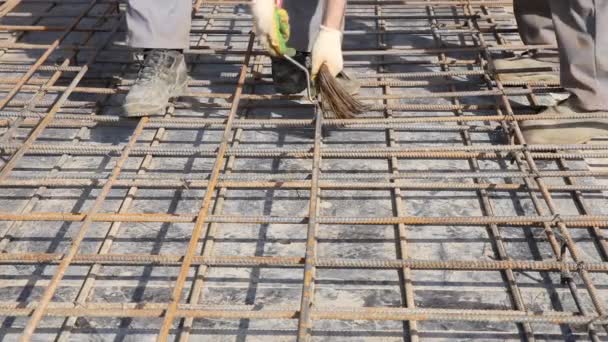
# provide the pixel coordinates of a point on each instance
(242, 214)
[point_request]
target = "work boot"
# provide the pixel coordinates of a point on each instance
(564, 131)
(163, 75)
(527, 67)
(289, 79)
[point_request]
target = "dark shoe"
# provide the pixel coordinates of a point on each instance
(162, 76)
(564, 131)
(289, 79)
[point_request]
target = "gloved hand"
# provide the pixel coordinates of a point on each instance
(327, 49)
(272, 27)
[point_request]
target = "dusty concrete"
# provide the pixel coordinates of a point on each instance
(268, 287)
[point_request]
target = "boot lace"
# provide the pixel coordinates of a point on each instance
(151, 66)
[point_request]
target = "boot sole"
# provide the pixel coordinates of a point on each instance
(551, 134)
(527, 78)
(525, 71)
(142, 110)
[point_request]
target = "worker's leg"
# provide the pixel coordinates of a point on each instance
(534, 22)
(581, 27)
(159, 24)
(305, 18)
(535, 26)
(162, 29)
(583, 45)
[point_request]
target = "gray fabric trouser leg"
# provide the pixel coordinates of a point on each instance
(535, 22)
(159, 24)
(582, 36)
(305, 17)
(580, 27)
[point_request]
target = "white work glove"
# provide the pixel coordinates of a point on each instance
(327, 49)
(271, 26)
(263, 16)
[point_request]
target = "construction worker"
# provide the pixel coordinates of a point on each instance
(579, 28)
(161, 28)
(316, 30)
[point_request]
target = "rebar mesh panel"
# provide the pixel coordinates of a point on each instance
(241, 214)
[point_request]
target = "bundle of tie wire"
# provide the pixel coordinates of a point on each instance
(334, 98)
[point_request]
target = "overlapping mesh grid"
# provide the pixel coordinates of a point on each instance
(243, 215)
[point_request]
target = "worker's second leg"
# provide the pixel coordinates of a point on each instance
(304, 18)
(162, 29)
(583, 46)
(534, 22)
(535, 26)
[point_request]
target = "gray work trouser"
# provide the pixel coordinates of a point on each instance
(580, 28)
(165, 24)
(305, 18)
(159, 24)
